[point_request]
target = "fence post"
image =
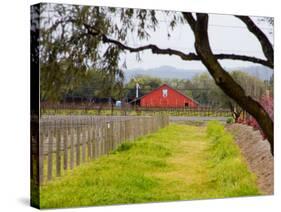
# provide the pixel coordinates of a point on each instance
(126, 129)
(65, 144)
(41, 158)
(50, 152)
(89, 141)
(120, 131)
(72, 132)
(123, 131)
(98, 143)
(102, 152)
(105, 143)
(107, 140)
(58, 143)
(77, 143)
(93, 136)
(83, 143)
(112, 133)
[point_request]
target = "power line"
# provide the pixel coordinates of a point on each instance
(236, 27)
(93, 88)
(211, 25)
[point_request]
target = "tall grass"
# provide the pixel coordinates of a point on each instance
(228, 168)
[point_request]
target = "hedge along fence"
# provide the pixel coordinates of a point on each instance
(67, 141)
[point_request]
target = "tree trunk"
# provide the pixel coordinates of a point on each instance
(226, 82)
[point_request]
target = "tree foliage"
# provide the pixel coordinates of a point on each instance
(98, 84)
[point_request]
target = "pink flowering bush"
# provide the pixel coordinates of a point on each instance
(267, 103)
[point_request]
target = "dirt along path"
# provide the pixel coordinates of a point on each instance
(256, 151)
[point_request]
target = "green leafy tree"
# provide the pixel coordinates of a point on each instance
(208, 93)
(202, 86)
(99, 84)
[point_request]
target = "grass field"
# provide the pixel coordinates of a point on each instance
(179, 162)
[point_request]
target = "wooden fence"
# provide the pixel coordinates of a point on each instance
(67, 141)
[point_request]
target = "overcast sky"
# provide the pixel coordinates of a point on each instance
(227, 34)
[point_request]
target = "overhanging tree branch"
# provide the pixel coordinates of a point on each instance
(243, 58)
(188, 57)
(154, 49)
(264, 41)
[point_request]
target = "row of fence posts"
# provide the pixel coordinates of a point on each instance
(67, 141)
(183, 111)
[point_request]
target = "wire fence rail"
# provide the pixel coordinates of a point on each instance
(93, 109)
(68, 141)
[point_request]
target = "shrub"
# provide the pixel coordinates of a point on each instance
(230, 120)
(124, 147)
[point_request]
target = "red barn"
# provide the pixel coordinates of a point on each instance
(165, 96)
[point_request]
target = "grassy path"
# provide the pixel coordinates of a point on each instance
(176, 163)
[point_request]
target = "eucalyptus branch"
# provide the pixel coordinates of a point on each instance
(168, 51)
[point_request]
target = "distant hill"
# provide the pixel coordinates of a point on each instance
(165, 72)
(260, 72)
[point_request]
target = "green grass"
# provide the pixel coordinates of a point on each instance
(179, 162)
(228, 168)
